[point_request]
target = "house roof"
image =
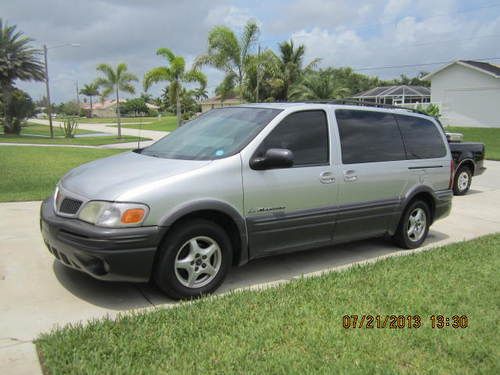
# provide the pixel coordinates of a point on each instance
(391, 91)
(480, 66)
(102, 104)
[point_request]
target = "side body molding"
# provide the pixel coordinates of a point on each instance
(213, 205)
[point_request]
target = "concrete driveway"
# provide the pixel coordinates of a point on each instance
(37, 293)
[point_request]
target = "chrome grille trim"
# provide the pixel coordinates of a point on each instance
(68, 204)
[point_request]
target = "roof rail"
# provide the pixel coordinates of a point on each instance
(364, 104)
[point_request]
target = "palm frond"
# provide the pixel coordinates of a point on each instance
(196, 76)
(127, 87)
(155, 75)
(108, 72)
(167, 53)
(248, 38)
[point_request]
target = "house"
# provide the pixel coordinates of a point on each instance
(106, 108)
(216, 102)
(396, 95)
(468, 93)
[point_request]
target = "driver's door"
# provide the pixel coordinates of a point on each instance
(289, 209)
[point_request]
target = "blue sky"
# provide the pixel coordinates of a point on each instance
(360, 34)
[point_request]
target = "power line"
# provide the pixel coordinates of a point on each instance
(420, 65)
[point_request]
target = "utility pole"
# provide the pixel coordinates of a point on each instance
(49, 103)
(258, 74)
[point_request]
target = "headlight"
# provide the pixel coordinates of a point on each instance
(113, 215)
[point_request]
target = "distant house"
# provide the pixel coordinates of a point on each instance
(396, 95)
(468, 93)
(153, 107)
(216, 102)
(106, 108)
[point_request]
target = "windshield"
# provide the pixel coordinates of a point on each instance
(214, 135)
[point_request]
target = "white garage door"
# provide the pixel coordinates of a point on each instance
(476, 107)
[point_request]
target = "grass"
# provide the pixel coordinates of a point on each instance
(489, 136)
(30, 173)
(33, 133)
(85, 141)
(37, 129)
(297, 327)
(166, 124)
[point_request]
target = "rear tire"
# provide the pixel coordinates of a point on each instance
(194, 259)
(414, 225)
(462, 180)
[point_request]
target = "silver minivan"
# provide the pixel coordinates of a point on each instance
(239, 183)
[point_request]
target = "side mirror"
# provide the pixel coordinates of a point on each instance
(272, 159)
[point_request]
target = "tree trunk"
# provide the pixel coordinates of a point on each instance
(118, 113)
(90, 106)
(7, 119)
(178, 108)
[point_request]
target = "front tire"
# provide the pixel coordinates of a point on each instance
(194, 259)
(462, 180)
(414, 225)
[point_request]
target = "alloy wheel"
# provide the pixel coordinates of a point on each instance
(463, 181)
(417, 222)
(197, 262)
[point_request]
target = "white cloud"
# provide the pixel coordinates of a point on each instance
(230, 16)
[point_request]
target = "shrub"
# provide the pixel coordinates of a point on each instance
(69, 126)
(20, 108)
(431, 110)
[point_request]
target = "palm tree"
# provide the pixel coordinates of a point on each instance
(228, 53)
(18, 61)
(176, 75)
(115, 80)
(90, 90)
(290, 66)
(318, 85)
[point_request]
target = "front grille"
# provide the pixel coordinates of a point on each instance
(70, 206)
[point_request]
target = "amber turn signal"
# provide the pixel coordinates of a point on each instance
(134, 215)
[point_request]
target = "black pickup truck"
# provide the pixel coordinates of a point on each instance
(468, 158)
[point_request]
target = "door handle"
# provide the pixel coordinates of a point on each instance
(349, 176)
(326, 178)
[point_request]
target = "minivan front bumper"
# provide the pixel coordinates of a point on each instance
(124, 254)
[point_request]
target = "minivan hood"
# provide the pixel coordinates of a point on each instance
(108, 178)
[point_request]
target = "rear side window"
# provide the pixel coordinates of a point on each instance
(305, 134)
(422, 138)
(367, 137)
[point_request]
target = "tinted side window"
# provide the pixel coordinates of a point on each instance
(305, 134)
(369, 136)
(422, 138)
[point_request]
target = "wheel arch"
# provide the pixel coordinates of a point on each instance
(423, 193)
(219, 212)
(467, 162)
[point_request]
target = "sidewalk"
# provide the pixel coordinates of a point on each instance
(110, 128)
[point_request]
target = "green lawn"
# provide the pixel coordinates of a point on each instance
(86, 141)
(38, 129)
(30, 173)
(489, 136)
(33, 133)
(166, 124)
(297, 327)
